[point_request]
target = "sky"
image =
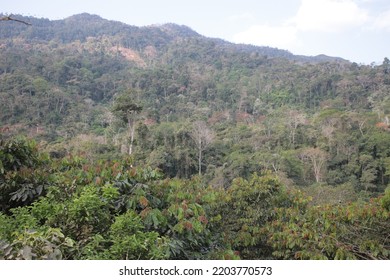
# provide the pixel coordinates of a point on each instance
(357, 30)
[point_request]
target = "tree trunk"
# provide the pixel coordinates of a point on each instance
(131, 132)
(200, 157)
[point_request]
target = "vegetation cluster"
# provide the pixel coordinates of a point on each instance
(123, 142)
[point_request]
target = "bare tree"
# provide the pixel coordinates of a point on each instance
(126, 110)
(203, 136)
(317, 158)
(293, 120)
(327, 131)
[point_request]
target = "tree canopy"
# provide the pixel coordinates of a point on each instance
(123, 142)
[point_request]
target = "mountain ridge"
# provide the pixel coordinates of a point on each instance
(60, 79)
(160, 131)
(89, 25)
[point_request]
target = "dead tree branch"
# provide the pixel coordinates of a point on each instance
(9, 18)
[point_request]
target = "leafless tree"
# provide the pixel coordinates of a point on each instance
(317, 158)
(328, 127)
(293, 120)
(203, 136)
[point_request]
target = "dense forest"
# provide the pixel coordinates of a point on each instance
(124, 142)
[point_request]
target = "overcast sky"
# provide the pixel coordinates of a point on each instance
(357, 30)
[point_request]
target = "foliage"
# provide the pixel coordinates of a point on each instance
(74, 85)
(126, 240)
(48, 245)
(354, 231)
(24, 175)
(115, 211)
(22, 237)
(148, 143)
(245, 208)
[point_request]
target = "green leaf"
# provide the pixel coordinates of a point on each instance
(180, 213)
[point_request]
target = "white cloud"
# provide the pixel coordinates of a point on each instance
(242, 17)
(265, 35)
(382, 21)
(328, 15)
(331, 16)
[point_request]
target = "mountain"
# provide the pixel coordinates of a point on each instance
(125, 142)
(82, 26)
(267, 109)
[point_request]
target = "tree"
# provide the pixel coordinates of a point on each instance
(317, 158)
(386, 65)
(246, 207)
(355, 231)
(203, 136)
(24, 175)
(294, 119)
(126, 109)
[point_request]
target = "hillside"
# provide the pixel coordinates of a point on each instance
(59, 80)
(125, 142)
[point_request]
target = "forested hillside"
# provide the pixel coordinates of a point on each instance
(124, 142)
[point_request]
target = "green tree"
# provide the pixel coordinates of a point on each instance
(24, 175)
(245, 208)
(354, 231)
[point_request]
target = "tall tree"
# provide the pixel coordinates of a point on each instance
(317, 158)
(126, 109)
(203, 136)
(294, 118)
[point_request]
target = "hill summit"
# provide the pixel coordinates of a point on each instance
(82, 26)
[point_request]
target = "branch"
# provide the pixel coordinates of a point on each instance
(7, 18)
